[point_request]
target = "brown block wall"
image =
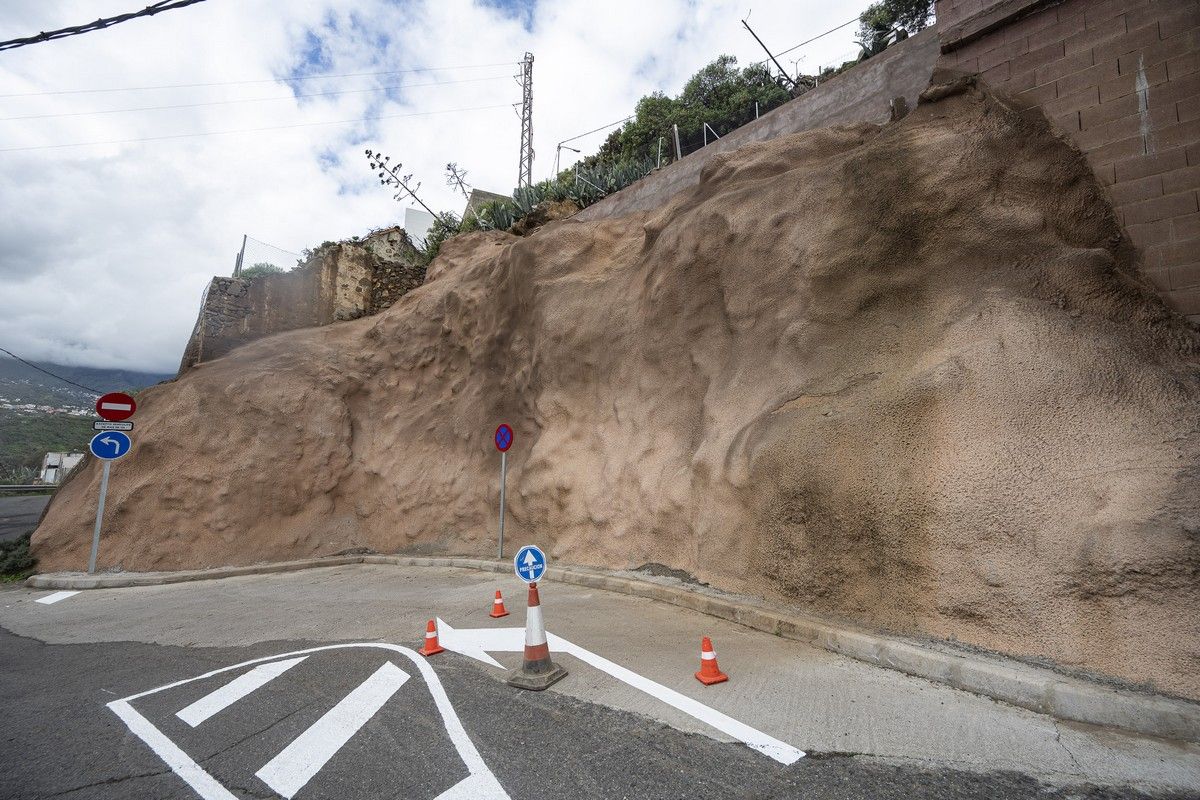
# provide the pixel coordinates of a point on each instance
(1122, 79)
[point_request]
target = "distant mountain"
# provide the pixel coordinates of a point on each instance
(62, 418)
(21, 384)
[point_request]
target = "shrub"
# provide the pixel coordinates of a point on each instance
(15, 561)
(259, 270)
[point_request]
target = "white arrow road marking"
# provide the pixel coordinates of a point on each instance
(235, 690)
(480, 784)
(288, 772)
(477, 642)
(51, 599)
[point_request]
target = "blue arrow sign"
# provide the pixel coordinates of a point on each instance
(110, 445)
(529, 563)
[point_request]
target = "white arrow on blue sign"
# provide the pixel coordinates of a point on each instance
(530, 563)
(110, 445)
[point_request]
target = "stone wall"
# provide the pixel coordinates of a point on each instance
(396, 268)
(339, 282)
(1121, 78)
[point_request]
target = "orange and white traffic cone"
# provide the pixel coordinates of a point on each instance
(537, 671)
(709, 672)
(431, 648)
(498, 609)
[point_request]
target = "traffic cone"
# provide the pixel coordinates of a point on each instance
(498, 609)
(537, 671)
(431, 648)
(709, 672)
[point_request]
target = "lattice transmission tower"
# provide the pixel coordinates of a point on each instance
(525, 176)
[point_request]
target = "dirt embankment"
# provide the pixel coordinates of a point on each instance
(905, 375)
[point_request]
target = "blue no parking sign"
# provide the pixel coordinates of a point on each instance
(110, 445)
(530, 563)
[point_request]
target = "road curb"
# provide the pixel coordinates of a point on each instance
(1033, 688)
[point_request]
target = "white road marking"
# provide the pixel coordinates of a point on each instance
(480, 784)
(51, 599)
(288, 772)
(180, 763)
(235, 690)
(477, 642)
(782, 752)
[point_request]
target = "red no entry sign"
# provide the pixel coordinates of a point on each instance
(116, 406)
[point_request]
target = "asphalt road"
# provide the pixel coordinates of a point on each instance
(58, 738)
(19, 515)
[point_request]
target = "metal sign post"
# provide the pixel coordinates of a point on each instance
(99, 517)
(504, 440)
(107, 446)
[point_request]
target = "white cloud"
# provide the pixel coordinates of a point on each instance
(104, 250)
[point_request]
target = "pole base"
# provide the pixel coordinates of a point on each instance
(536, 681)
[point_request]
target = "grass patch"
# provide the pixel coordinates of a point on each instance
(16, 564)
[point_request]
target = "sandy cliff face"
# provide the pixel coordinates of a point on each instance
(905, 375)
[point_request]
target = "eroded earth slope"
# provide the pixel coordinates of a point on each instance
(905, 375)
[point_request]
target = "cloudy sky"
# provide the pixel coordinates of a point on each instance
(105, 248)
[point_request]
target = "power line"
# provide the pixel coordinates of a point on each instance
(809, 41)
(597, 130)
(251, 99)
(252, 130)
(48, 372)
(262, 80)
(100, 24)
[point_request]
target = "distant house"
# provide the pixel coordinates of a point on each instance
(55, 466)
(417, 224)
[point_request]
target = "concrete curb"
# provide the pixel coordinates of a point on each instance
(1036, 689)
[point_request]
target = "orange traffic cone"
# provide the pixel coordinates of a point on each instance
(431, 648)
(537, 671)
(709, 672)
(498, 609)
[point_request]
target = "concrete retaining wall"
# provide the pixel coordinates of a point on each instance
(861, 94)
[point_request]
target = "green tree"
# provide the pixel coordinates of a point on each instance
(881, 18)
(720, 94)
(444, 226)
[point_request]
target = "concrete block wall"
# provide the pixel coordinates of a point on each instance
(1122, 79)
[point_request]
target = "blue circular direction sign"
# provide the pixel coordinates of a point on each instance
(504, 437)
(529, 563)
(110, 445)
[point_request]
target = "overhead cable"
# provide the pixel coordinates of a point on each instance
(261, 80)
(809, 41)
(100, 24)
(251, 99)
(596, 130)
(251, 130)
(48, 372)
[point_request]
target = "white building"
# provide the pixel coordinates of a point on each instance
(55, 466)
